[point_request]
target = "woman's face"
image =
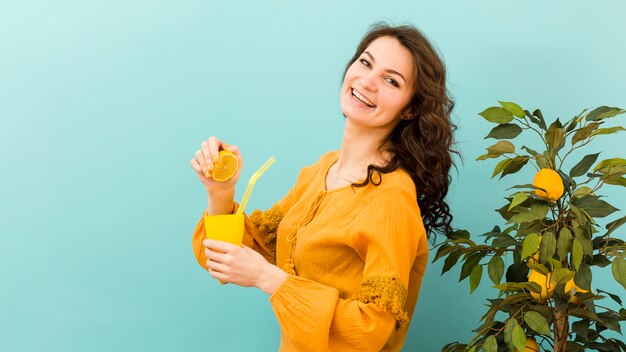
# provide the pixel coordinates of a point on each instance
(379, 84)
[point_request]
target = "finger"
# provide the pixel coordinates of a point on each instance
(215, 266)
(219, 246)
(215, 256)
(220, 276)
(206, 156)
(195, 165)
(215, 146)
(200, 161)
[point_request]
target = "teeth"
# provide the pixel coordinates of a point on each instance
(362, 98)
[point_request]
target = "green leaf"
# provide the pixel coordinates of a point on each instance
(580, 215)
(594, 206)
(584, 132)
(505, 131)
(563, 243)
(555, 137)
(519, 338)
(519, 286)
(500, 167)
(609, 162)
(537, 322)
(543, 162)
(538, 211)
(613, 296)
(487, 156)
(451, 260)
(490, 344)
(518, 199)
(547, 246)
(570, 127)
(443, 250)
(515, 165)
(502, 147)
(495, 269)
(577, 253)
(469, 264)
(604, 112)
(475, 276)
(585, 242)
(619, 270)
(530, 151)
(512, 108)
(540, 268)
(459, 234)
(613, 225)
(583, 166)
(581, 328)
(618, 181)
(609, 130)
(600, 260)
(610, 320)
(583, 277)
(497, 114)
(542, 122)
(530, 245)
(582, 191)
(561, 276)
(584, 313)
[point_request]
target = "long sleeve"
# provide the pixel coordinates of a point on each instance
(259, 229)
(312, 315)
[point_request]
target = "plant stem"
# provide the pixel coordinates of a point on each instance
(561, 330)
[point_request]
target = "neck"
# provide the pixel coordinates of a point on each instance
(361, 146)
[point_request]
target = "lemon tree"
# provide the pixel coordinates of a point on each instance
(551, 238)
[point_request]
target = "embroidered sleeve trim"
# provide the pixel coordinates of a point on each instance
(387, 293)
(267, 222)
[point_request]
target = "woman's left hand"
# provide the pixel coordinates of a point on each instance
(241, 266)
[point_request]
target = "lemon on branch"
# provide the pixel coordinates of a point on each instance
(550, 181)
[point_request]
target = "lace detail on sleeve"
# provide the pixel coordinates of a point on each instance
(387, 293)
(267, 222)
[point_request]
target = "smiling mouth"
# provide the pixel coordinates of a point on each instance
(361, 98)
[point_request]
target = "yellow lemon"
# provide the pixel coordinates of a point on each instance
(572, 288)
(531, 345)
(547, 288)
(549, 180)
(226, 167)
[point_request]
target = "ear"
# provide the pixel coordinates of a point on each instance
(407, 115)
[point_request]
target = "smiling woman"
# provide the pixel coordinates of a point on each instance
(344, 252)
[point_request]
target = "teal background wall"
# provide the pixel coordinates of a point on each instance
(103, 104)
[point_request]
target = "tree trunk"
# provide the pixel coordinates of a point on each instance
(561, 330)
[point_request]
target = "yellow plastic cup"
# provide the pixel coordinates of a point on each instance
(224, 227)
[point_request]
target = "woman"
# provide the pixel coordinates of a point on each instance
(344, 252)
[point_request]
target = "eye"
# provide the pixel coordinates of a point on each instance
(365, 62)
(393, 82)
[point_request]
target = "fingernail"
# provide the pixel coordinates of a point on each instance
(215, 158)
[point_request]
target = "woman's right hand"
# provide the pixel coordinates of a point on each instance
(204, 161)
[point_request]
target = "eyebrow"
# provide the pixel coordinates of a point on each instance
(388, 69)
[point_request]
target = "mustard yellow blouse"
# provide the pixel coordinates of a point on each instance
(356, 257)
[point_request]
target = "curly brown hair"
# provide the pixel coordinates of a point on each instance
(422, 145)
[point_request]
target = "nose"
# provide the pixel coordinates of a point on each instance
(368, 82)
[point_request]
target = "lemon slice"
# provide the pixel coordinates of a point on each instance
(226, 167)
